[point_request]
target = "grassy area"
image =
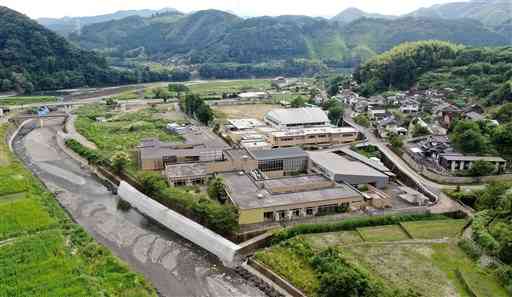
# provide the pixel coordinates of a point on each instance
(44, 253)
(122, 131)
(287, 97)
(426, 268)
(228, 86)
(255, 111)
(437, 229)
(383, 233)
(322, 240)
(22, 100)
(22, 214)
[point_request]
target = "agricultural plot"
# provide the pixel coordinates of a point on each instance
(253, 111)
(43, 253)
(431, 269)
(23, 100)
(434, 229)
(228, 86)
(122, 131)
(322, 240)
(383, 233)
(22, 214)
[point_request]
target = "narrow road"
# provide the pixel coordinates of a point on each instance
(176, 267)
(445, 203)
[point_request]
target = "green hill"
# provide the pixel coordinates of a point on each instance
(214, 36)
(479, 73)
(490, 12)
(35, 58)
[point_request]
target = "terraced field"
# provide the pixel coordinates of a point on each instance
(422, 256)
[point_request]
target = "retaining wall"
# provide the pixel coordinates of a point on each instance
(447, 179)
(225, 250)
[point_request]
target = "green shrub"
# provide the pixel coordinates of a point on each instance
(220, 218)
(92, 156)
(469, 248)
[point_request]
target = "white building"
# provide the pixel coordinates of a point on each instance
(305, 117)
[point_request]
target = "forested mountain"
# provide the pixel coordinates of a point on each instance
(218, 37)
(481, 73)
(490, 12)
(352, 14)
(67, 25)
(35, 58)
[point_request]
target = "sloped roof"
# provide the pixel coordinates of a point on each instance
(298, 115)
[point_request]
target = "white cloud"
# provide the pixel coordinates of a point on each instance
(59, 8)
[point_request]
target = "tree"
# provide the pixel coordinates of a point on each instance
(216, 189)
(396, 142)
(152, 183)
(467, 137)
(161, 93)
(362, 119)
(119, 161)
(419, 130)
(504, 113)
(298, 102)
(502, 140)
(482, 168)
(336, 114)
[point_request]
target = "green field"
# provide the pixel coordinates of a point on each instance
(43, 253)
(22, 214)
(122, 131)
(437, 229)
(383, 233)
(228, 86)
(319, 241)
(22, 100)
(428, 268)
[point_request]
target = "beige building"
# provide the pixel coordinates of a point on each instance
(313, 137)
(288, 198)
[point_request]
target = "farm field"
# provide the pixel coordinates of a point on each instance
(382, 251)
(123, 131)
(227, 86)
(383, 233)
(43, 253)
(22, 100)
(437, 229)
(253, 111)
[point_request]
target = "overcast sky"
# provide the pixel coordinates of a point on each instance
(60, 8)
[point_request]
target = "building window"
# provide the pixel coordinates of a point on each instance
(268, 216)
(282, 214)
(296, 212)
(309, 211)
(327, 209)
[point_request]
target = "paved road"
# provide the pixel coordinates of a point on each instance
(176, 267)
(445, 203)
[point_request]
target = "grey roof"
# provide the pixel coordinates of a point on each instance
(471, 158)
(363, 159)
(304, 115)
(341, 165)
(186, 170)
(244, 193)
(279, 153)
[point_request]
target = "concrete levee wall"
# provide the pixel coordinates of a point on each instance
(225, 250)
(446, 179)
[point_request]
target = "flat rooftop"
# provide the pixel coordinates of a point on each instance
(471, 158)
(247, 195)
(376, 165)
(279, 153)
(186, 170)
(342, 165)
(291, 181)
(313, 131)
(244, 124)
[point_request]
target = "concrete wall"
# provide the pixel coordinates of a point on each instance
(224, 249)
(443, 179)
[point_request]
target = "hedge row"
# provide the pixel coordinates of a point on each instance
(351, 224)
(92, 156)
